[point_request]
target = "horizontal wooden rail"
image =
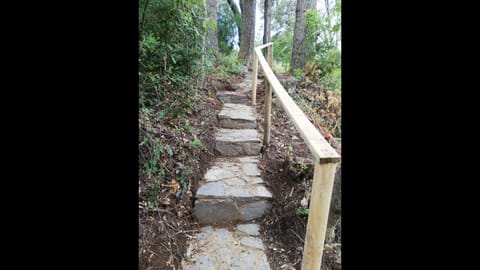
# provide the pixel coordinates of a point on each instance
(320, 148)
(326, 159)
(264, 45)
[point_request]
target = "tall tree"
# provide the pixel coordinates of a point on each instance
(300, 46)
(212, 39)
(226, 28)
(247, 30)
(237, 17)
(283, 15)
(267, 22)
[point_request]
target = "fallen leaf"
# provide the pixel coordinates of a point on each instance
(165, 201)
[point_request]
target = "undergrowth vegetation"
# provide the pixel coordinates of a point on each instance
(176, 120)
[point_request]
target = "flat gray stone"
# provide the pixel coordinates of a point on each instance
(212, 189)
(201, 262)
(237, 116)
(222, 235)
(236, 123)
(237, 111)
(234, 142)
(235, 171)
(235, 149)
(247, 159)
(224, 250)
(218, 173)
(206, 231)
(237, 135)
(251, 229)
(251, 170)
(230, 184)
(255, 180)
(207, 212)
(240, 192)
(252, 242)
(262, 191)
(232, 97)
(244, 86)
(254, 210)
(235, 182)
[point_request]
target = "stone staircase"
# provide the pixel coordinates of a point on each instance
(232, 193)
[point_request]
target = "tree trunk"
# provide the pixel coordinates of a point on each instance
(237, 17)
(267, 22)
(212, 39)
(299, 48)
(247, 30)
(327, 7)
(204, 47)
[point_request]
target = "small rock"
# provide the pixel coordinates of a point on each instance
(252, 229)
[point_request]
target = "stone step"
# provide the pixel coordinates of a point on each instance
(225, 249)
(236, 142)
(237, 116)
(232, 97)
(231, 190)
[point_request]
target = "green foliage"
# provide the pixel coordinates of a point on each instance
(182, 178)
(289, 156)
(313, 26)
(283, 15)
(328, 61)
(282, 47)
(332, 80)
(303, 166)
(321, 31)
(157, 151)
(155, 192)
(227, 28)
(329, 64)
(226, 66)
(196, 143)
(324, 60)
(323, 27)
(302, 211)
(283, 21)
(171, 59)
(189, 129)
(169, 48)
(169, 150)
(298, 74)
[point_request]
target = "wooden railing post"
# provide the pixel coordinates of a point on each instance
(266, 55)
(323, 178)
(265, 81)
(268, 118)
(270, 56)
(254, 79)
(268, 109)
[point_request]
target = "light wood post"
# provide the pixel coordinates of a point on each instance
(270, 56)
(254, 79)
(268, 104)
(265, 81)
(268, 118)
(322, 186)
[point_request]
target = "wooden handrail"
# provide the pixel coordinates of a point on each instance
(326, 158)
(264, 45)
(320, 148)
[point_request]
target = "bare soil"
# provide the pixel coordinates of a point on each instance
(165, 229)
